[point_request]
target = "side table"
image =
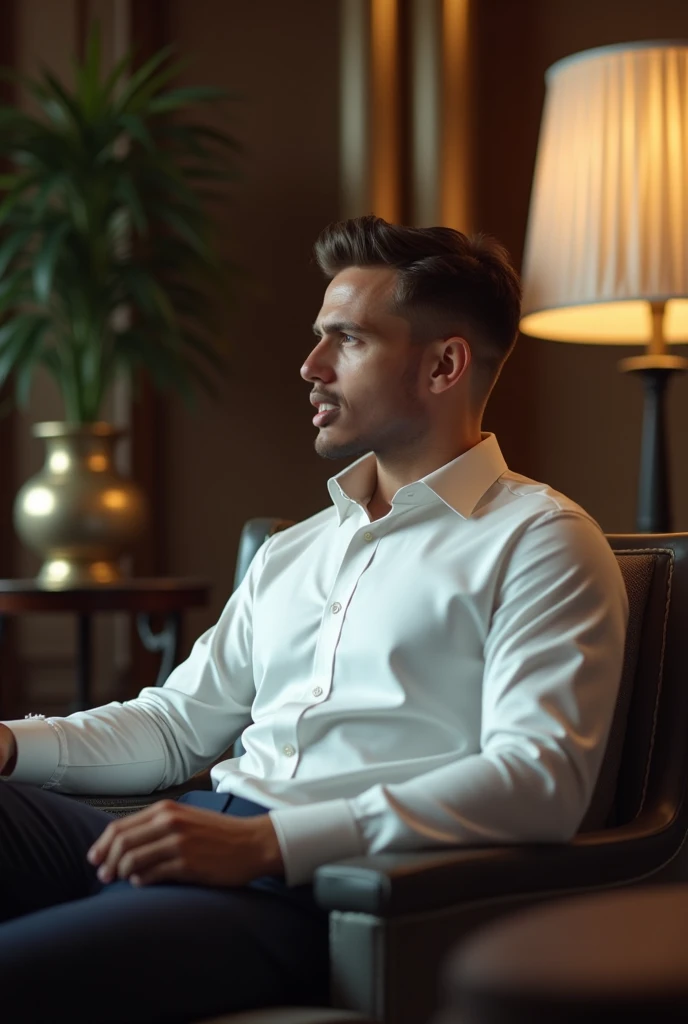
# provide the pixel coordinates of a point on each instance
(140, 597)
(600, 958)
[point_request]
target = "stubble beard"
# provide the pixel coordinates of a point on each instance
(410, 429)
(347, 450)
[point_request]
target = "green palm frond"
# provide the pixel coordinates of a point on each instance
(103, 206)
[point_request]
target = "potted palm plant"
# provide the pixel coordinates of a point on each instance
(107, 264)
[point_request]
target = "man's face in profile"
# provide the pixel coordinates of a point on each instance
(366, 366)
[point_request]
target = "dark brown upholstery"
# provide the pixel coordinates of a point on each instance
(576, 961)
(292, 1015)
(660, 661)
(638, 571)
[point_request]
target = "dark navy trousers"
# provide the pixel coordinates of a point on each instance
(75, 950)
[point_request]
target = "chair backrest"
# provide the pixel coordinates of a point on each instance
(253, 535)
(645, 761)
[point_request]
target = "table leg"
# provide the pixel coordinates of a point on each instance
(167, 641)
(5, 704)
(84, 664)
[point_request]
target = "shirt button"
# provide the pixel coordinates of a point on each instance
(317, 691)
(288, 750)
(336, 607)
(367, 536)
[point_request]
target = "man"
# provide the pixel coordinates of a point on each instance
(433, 660)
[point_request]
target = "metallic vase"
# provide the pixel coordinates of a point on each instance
(78, 513)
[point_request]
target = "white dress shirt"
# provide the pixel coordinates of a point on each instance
(445, 675)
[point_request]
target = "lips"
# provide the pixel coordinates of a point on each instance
(323, 419)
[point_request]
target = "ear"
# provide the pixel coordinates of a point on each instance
(451, 362)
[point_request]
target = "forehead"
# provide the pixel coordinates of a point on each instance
(360, 293)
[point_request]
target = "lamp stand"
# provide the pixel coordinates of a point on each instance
(655, 368)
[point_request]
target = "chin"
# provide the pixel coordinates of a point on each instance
(330, 448)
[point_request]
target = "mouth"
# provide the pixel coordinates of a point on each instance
(325, 415)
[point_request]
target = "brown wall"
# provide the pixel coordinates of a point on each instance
(253, 453)
(562, 412)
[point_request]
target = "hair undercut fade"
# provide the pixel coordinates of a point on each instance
(447, 282)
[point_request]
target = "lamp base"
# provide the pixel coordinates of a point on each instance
(654, 361)
(654, 500)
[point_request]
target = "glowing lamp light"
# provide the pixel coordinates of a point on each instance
(114, 499)
(606, 253)
(97, 463)
(59, 462)
(58, 571)
(39, 502)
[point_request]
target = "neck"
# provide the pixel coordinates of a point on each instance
(396, 472)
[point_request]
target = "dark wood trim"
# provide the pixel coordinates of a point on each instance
(405, 104)
(150, 27)
(508, 89)
(81, 13)
(9, 669)
(150, 30)
(164, 594)
(386, 114)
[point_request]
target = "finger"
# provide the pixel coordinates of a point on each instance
(124, 845)
(149, 831)
(99, 850)
(172, 870)
(147, 856)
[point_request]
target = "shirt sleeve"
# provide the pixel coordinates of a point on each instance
(552, 667)
(167, 733)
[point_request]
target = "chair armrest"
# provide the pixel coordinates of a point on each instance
(122, 805)
(392, 884)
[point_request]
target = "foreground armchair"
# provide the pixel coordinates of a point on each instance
(394, 917)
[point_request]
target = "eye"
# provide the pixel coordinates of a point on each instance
(349, 338)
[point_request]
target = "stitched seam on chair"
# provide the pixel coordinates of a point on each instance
(670, 553)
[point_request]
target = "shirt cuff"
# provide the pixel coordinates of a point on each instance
(313, 835)
(38, 750)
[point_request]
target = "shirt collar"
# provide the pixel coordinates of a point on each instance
(460, 484)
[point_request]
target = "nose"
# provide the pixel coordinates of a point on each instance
(318, 365)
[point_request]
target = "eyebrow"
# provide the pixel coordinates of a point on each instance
(339, 327)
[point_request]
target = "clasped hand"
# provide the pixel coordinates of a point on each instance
(171, 842)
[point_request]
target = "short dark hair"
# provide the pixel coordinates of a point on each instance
(446, 280)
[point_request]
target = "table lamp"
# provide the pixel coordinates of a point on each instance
(606, 255)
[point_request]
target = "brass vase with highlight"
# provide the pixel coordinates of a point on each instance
(78, 513)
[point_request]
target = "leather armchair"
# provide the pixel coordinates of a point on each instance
(393, 917)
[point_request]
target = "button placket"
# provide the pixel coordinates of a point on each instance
(288, 749)
(356, 560)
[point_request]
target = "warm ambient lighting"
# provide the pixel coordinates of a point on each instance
(608, 323)
(39, 502)
(609, 208)
(606, 255)
(58, 571)
(59, 462)
(97, 463)
(114, 499)
(104, 572)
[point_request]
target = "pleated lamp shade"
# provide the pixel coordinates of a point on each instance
(608, 225)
